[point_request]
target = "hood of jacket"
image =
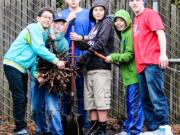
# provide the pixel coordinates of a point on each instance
(125, 16)
(97, 3)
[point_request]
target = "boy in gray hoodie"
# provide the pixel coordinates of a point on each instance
(97, 93)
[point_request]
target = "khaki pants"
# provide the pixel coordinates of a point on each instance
(97, 91)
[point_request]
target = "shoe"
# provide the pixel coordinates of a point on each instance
(21, 132)
(122, 133)
(164, 130)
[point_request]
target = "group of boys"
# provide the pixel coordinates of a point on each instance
(142, 58)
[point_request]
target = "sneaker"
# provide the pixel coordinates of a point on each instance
(21, 132)
(164, 130)
(122, 133)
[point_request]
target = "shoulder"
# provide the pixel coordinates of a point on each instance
(107, 22)
(150, 12)
(33, 26)
(128, 33)
(85, 10)
(64, 11)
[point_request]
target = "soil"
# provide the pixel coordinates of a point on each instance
(6, 128)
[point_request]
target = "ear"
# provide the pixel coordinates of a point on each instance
(37, 18)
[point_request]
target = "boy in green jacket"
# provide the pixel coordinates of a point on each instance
(134, 122)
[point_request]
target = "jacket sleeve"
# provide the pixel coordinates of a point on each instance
(61, 43)
(33, 70)
(103, 36)
(38, 45)
(126, 53)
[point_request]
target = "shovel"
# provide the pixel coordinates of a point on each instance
(72, 123)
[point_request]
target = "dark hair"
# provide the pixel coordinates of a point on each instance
(42, 10)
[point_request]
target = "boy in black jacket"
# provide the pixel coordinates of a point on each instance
(97, 93)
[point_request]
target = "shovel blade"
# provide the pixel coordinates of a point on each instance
(72, 124)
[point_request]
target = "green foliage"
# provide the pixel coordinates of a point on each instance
(176, 2)
(59, 3)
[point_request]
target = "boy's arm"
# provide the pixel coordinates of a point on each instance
(163, 59)
(38, 46)
(126, 55)
(62, 44)
(71, 16)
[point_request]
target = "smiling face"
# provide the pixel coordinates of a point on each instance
(45, 19)
(120, 24)
(58, 26)
(137, 6)
(98, 13)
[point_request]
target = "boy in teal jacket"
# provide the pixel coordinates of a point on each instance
(134, 122)
(20, 57)
(44, 105)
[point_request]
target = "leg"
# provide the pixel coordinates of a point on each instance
(102, 96)
(18, 86)
(90, 103)
(155, 83)
(146, 103)
(53, 112)
(80, 98)
(134, 122)
(38, 106)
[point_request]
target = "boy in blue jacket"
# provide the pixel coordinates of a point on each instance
(45, 104)
(20, 57)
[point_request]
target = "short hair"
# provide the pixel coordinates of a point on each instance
(42, 10)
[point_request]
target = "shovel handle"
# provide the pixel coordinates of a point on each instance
(72, 61)
(100, 55)
(104, 57)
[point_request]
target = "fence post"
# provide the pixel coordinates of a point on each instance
(155, 5)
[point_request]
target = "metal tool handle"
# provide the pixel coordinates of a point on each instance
(103, 57)
(72, 59)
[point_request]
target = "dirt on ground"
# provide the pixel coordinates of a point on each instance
(6, 128)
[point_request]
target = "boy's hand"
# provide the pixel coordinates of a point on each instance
(163, 61)
(40, 79)
(71, 16)
(61, 64)
(108, 59)
(75, 37)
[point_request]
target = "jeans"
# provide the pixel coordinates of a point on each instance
(45, 108)
(18, 87)
(155, 106)
(133, 125)
(80, 96)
